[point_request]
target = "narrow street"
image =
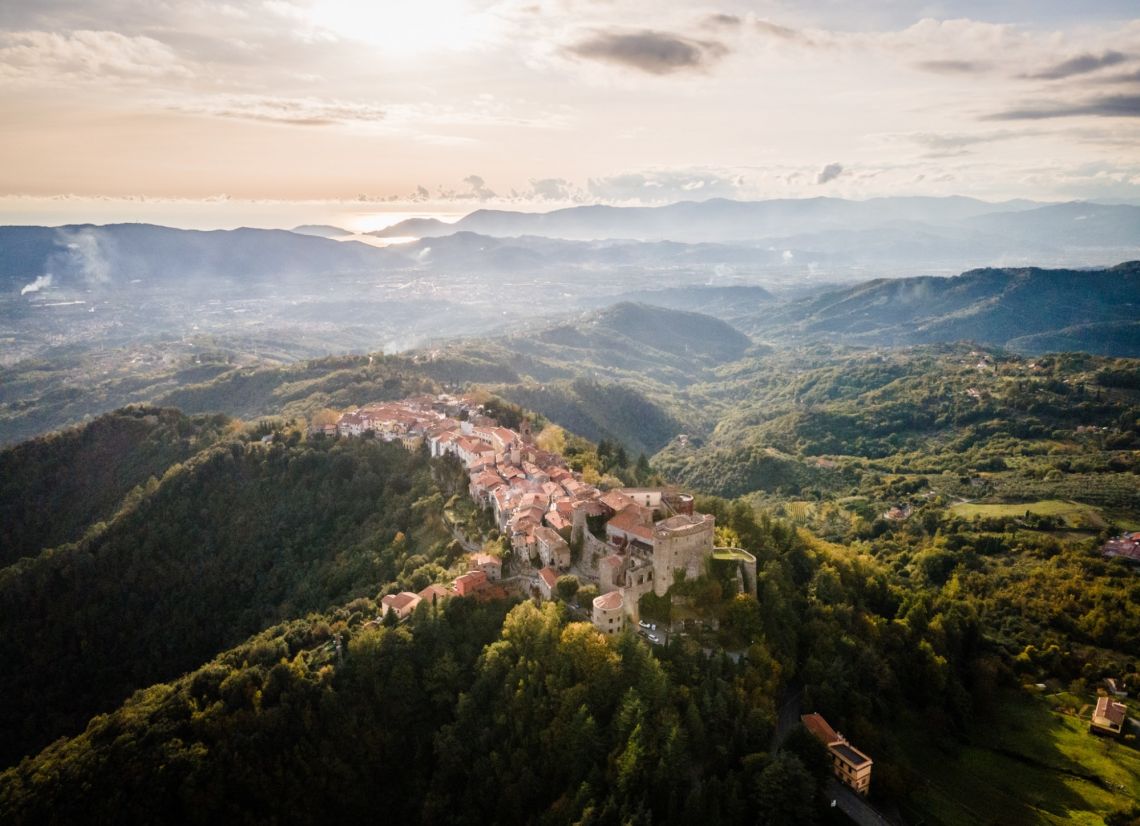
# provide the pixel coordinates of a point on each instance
(787, 718)
(854, 806)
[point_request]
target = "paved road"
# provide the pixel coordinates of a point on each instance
(786, 719)
(854, 806)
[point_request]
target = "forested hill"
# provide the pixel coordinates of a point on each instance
(1024, 308)
(43, 396)
(54, 488)
(215, 548)
(612, 374)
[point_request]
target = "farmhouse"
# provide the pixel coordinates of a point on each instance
(1108, 717)
(851, 766)
(402, 604)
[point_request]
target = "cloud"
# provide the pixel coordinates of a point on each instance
(1080, 65)
(953, 144)
(667, 185)
(829, 173)
(80, 56)
(652, 52)
(722, 21)
(479, 189)
(954, 67)
(550, 189)
(292, 111)
(770, 29)
(1109, 106)
(1127, 77)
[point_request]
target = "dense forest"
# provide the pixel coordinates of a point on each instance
(239, 536)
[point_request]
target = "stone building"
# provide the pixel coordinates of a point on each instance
(681, 543)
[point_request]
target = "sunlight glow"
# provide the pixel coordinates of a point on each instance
(405, 28)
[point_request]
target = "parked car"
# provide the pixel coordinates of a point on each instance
(648, 626)
(654, 638)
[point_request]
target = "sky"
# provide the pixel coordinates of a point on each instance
(207, 114)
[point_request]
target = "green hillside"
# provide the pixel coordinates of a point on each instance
(53, 488)
(238, 537)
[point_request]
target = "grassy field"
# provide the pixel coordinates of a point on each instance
(1075, 514)
(1029, 765)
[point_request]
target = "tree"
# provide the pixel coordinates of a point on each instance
(552, 439)
(785, 792)
(567, 586)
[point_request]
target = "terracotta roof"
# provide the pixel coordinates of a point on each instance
(549, 577)
(612, 559)
(548, 536)
(401, 600)
(1110, 710)
(629, 521)
(435, 591)
(609, 602)
(485, 559)
(471, 577)
(487, 479)
(820, 728)
(616, 501)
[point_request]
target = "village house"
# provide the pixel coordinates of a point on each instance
(434, 594)
(547, 580)
(402, 604)
(1125, 546)
(552, 548)
(1108, 717)
(609, 613)
(492, 566)
(558, 523)
(470, 583)
(851, 766)
(633, 524)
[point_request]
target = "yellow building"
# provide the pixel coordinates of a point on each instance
(850, 765)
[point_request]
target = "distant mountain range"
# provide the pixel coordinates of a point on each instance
(724, 221)
(1027, 309)
(321, 231)
(715, 220)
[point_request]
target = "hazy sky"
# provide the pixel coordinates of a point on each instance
(232, 112)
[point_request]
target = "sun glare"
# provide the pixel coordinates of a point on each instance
(404, 28)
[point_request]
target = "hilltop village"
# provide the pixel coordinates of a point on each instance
(627, 541)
